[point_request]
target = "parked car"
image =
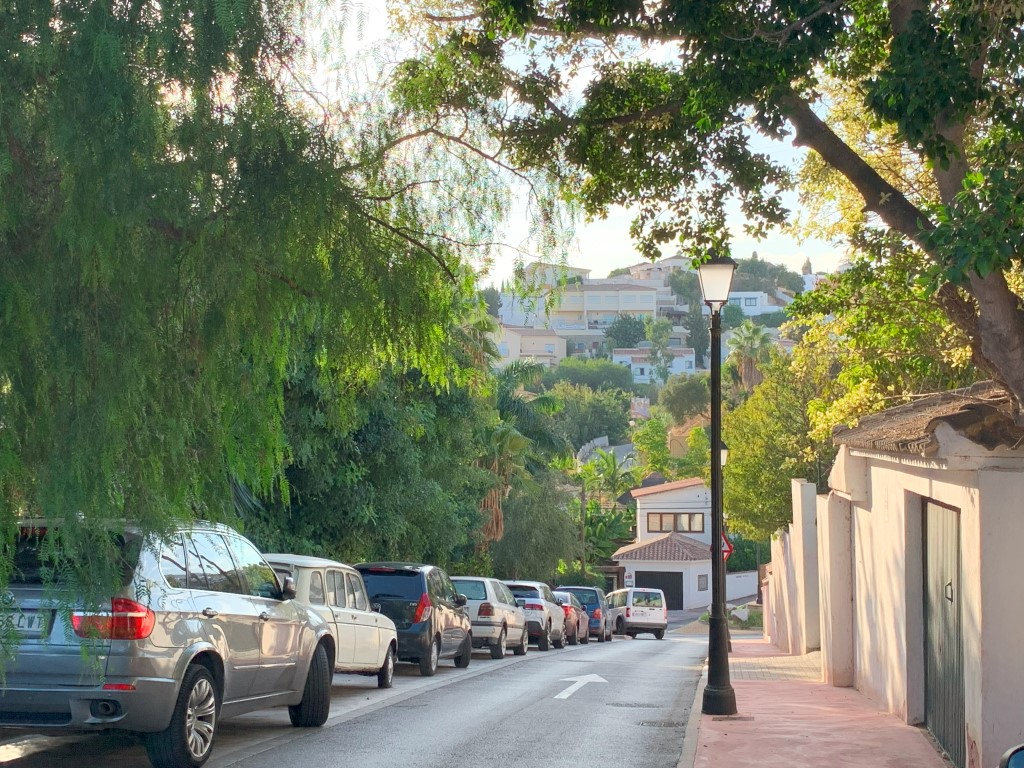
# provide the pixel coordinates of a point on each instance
(365, 639)
(428, 612)
(577, 623)
(596, 605)
(617, 611)
(644, 610)
(201, 629)
(495, 615)
(545, 620)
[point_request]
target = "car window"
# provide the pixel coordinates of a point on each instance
(336, 589)
(548, 594)
(386, 583)
(506, 596)
(520, 590)
(473, 589)
(259, 578)
(173, 563)
(37, 555)
(357, 589)
(350, 593)
(586, 596)
(215, 561)
(316, 588)
(653, 600)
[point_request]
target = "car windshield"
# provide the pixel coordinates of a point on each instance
(585, 596)
(392, 584)
(523, 591)
(473, 589)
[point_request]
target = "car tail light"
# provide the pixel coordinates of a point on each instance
(596, 614)
(567, 610)
(533, 606)
(118, 687)
(423, 609)
(628, 610)
(126, 620)
(485, 609)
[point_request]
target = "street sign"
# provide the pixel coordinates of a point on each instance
(726, 547)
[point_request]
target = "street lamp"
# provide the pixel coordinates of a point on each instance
(719, 698)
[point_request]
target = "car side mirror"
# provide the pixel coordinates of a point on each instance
(375, 607)
(558, 601)
(288, 588)
(1014, 757)
(460, 600)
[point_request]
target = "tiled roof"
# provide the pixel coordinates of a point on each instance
(521, 331)
(670, 547)
(982, 413)
(690, 482)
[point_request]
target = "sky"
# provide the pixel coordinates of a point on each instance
(604, 245)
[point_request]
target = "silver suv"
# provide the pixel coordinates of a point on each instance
(201, 629)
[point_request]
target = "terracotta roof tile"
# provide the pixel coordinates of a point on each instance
(670, 547)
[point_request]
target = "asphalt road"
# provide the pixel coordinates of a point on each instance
(615, 704)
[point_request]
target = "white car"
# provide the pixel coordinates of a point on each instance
(366, 640)
(644, 609)
(545, 620)
(498, 623)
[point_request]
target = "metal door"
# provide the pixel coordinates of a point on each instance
(943, 638)
(669, 583)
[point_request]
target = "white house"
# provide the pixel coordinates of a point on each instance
(638, 360)
(537, 344)
(672, 550)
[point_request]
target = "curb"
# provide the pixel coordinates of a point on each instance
(692, 732)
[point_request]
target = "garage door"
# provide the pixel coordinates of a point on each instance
(669, 583)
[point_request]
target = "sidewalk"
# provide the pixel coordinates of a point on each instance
(787, 717)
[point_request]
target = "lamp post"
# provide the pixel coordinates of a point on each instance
(719, 698)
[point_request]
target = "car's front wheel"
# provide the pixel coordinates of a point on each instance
(585, 637)
(428, 663)
(544, 639)
(386, 674)
(575, 637)
(312, 711)
(188, 740)
(559, 642)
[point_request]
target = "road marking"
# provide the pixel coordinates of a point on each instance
(579, 683)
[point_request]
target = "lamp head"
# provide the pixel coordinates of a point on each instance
(715, 277)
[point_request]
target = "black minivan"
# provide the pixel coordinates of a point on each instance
(429, 614)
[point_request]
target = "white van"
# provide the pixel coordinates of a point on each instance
(639, 610)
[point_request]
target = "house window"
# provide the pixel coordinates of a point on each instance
(685, 522)
(735, 301)
(689, 363)
(549, 348)
(750, 302)
(641, 371)
(503, 349)
(702, 583)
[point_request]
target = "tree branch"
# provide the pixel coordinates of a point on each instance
(398, 232)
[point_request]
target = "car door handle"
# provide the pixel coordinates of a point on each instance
(355, 616)
(264, 616)
(209, 613)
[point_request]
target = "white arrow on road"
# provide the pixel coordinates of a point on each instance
(579, 683)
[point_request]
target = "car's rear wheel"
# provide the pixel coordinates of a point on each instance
(428, 663)
(619, 626)
(386, 674)
(188, 741)
(659, 634)
(520, 650)
(313, 710)
(544, 639)
(499, 648)
(585, 637)
(559, 642)
(463, 659)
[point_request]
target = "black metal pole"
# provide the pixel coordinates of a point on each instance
(719, 697)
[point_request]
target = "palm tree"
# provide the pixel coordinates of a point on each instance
(614, 479)
(505, 456)
(529, 413)
(750, 347)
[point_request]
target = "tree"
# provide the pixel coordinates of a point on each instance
(668, 135)
(492, 297)
(593, 373)
(613, 478)
(180, 233)
(621, 271)
(732, 316)
(697, 461)
(686, 285)
(660, 355)
(539, 530)
(750, 347)
(532, 415)
(650, 441)
(585, 414)
(625, 331)
(685, 396)
(698, 333)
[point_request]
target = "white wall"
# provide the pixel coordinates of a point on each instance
(740, 584)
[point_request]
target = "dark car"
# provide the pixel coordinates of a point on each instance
(596, 605)
(429, 614)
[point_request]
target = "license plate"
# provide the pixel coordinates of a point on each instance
(30, 623)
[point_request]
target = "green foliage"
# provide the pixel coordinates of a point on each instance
(754, 274)
(619, 272)
(585, 414)
(771, 319)
(686, 285)
(606, 531)
(685, 396)
(698, 333)
(492, 297)
(650, 441)
(770, 442)
(587, 372)
(697, 461)
(732, 316)
(625, 331)
(660, 355)
(539, 530)
(747, 554)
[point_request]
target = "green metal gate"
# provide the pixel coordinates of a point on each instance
(943, 634)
